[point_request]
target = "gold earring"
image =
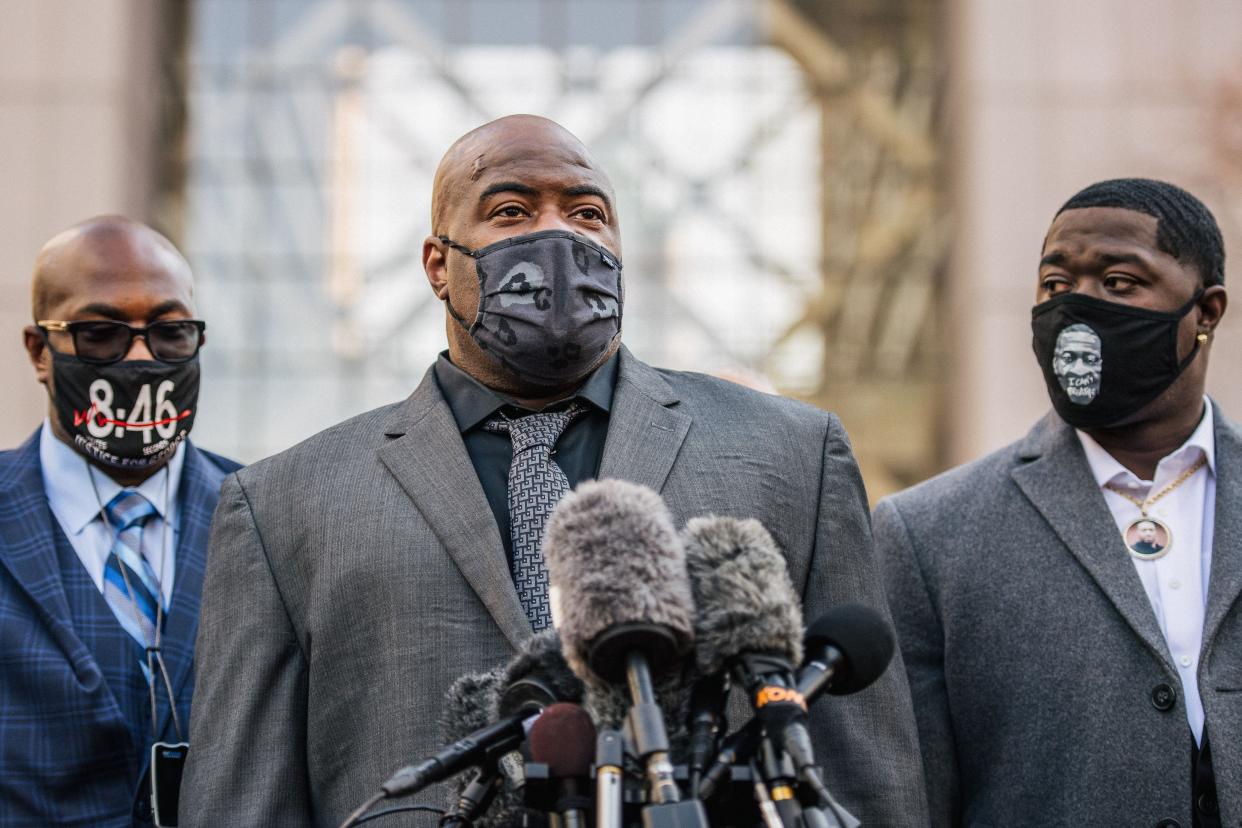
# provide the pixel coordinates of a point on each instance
(1202, 337)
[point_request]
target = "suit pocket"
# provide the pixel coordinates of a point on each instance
(1228, 680)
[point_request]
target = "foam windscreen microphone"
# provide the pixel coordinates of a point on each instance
(749, 616)
(744, 598)
(505, 699)
(749, 622)
(847, 649)
(619, 567)
(563, 738)
(470, 703)
(627, 613)
(537, 672)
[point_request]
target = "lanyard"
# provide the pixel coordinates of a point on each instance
(155, 659)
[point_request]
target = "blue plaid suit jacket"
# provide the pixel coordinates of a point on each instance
(53, 769)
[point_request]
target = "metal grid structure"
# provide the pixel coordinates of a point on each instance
(778, 193)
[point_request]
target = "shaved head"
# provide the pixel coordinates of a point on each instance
(108, 268)
(493, 144)
(100, 246)
(515, 176)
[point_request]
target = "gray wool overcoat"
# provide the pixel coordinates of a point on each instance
(1039, 672)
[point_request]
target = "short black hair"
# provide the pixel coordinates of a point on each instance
(1185, 227)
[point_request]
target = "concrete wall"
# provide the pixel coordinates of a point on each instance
(78, 96)
(1049, 96)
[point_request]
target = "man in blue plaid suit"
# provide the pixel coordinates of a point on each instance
(104, 517)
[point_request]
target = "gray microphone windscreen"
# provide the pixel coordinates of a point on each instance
(746, 602)
(470, 704)
(539, 668)
(616, 560)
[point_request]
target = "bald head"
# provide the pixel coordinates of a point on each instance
(513, 177)
(102, 249)
(505, 142)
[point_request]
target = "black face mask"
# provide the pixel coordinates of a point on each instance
(130, 414)
(549, 305)
(1103, 361)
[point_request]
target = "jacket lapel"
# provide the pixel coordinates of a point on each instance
(644, 433)
(427, 456)
(1057, 480)
(197, 496)
(27, 549)
(1225, 582)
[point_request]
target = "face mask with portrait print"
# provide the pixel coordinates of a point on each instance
(1103, 361)
(549, 305)
(130, 414)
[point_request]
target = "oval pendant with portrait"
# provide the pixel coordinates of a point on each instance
(1148, 538)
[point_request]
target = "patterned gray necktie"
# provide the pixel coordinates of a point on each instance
(536, 483)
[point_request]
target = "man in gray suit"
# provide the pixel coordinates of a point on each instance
(355, 576)
(1058, 677)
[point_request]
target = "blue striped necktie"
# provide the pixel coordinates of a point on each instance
(132, 599)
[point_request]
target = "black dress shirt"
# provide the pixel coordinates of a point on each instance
(578, 452)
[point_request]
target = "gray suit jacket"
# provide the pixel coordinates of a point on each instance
(1034, 654)
(355, 576)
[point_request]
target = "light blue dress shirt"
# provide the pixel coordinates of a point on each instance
(67, 480)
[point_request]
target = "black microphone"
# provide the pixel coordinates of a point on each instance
(620, 571)
(563, 738)
(705, 721)
(847, 649)
(535, 678)
(469, 705)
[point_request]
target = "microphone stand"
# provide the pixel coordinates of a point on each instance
(474, 800)
(629, 650)
(609, 779)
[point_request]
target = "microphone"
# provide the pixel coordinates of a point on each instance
(749, 615)
(469, 705)
(750, 622)
(534, 679)
(705, 722)
(620, 569)
(563, 738)
(847, 648)
(609, 778)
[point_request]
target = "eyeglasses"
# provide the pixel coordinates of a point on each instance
(103, 341)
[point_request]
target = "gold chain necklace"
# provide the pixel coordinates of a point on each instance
(1146, 537)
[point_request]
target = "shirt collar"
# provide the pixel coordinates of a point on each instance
(1106, 469)
(472, 402)
(71, 495)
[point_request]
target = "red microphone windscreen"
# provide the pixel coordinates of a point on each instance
(563, 738)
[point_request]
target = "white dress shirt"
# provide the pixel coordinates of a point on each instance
(67, 482)
(1177, 583)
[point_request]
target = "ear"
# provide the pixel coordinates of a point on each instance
(37, 351)
(435, 263)
(1211, 306)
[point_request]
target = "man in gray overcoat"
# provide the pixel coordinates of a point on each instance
(353, 577)
(1060, 677)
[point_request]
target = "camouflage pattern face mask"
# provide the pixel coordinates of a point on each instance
(549, 305)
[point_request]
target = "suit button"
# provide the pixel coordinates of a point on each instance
(1208, 805)
(1168, 823)
(1163, 697)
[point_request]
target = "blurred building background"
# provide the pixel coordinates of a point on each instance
(844, 198)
